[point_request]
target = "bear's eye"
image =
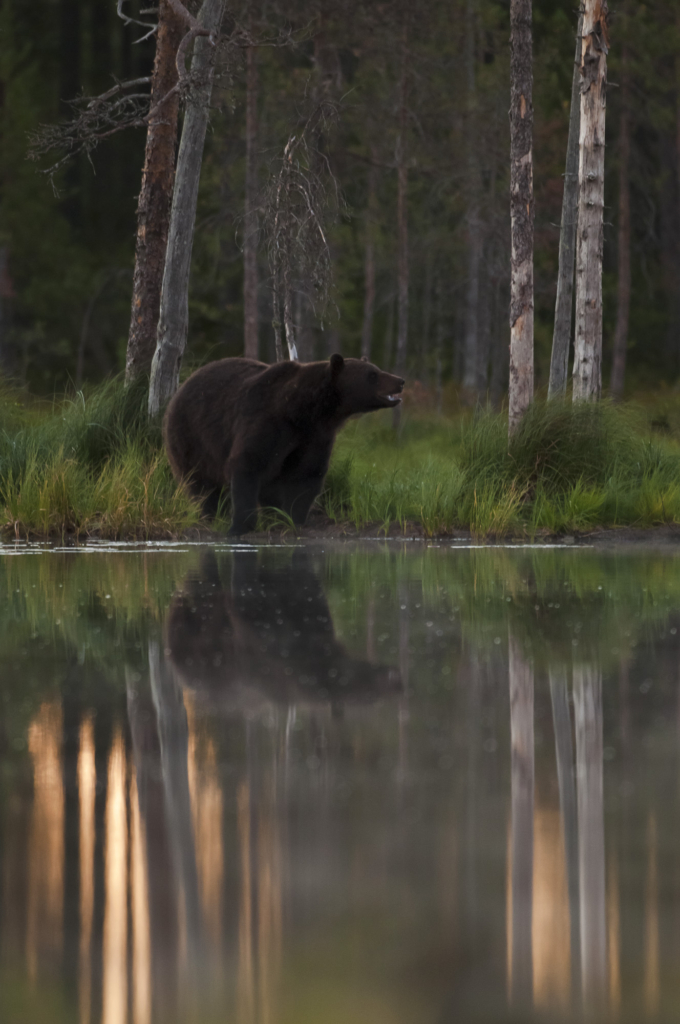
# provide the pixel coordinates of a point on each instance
(373, 377)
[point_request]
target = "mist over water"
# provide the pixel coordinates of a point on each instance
(381, 783)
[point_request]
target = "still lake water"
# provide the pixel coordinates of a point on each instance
(384, 783)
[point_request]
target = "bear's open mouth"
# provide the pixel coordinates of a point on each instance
(393, 399)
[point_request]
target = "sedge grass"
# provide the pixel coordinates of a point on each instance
(91, 464)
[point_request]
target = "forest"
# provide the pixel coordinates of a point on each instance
(385, 128)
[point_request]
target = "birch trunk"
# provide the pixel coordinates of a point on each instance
(590, 235)
(155, 197)
(173, 321)
(521, 383)
(623, 282)
(250, 346)
(559, 360)
(522, 837)
(369, 260)
(402, 229)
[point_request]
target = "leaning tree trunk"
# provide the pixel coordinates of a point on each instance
(521, 385)
(590, 237)
(623, 283)
(559, 360)
(250, 348)
(402, 228)
(155, 197)
(173, 322)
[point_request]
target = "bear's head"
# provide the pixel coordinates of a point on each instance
(363, 387)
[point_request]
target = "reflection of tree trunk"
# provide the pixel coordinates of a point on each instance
(587, 379)
(162, 891)
(369, 258)
(623, 283)
(559, 360)
(153, 208)
(402, 225)
(522, 772)
(652, 922)
(588, 721)
(564, 755)
(521, 214)
(173, 733)
(250, 349)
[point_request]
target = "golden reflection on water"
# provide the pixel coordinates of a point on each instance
(245, 986)
(141, 929)
(46, 843)
(114, 953)
(550, 916)
(651, 922)
(206, 810)
(613, 936)
(87, 780)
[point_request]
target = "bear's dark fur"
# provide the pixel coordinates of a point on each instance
(267, 431)
(246, 628)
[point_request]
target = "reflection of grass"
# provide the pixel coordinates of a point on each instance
(93, 465)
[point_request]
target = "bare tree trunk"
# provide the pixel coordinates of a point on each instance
(402, 227)
(288, 319)
(439, 339)
(474, 228)
(369, 259)
(173, 322)
(250, 348)
(590, 237)
(427, 319)
(155, 197)
(559, 360)
(588, 728)
(623, 283)
(522, 774)
(521, 385)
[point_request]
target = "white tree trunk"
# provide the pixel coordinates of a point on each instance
(173, 322)
(590, 236)
(521, 384)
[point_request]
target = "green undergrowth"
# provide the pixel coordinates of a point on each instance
(90, 464)
(568, 468)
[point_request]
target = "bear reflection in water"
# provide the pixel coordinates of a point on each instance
(241, 630)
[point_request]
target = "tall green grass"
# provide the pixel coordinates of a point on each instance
(88, 464)
(91, 464)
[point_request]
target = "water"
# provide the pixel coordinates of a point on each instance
(384, 783)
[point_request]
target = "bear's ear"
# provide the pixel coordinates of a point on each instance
(364, 359)
(337, 363)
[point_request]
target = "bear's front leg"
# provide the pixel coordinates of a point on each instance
(244, 493)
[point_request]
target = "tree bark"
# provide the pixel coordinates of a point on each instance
(155, 197)
(624, 277)
(521, 384)
(173, 321)
(402, 226)
(474, 228)
(250, 348)
(369, 259)
(590, 235)
(522, 837)
(559, 360)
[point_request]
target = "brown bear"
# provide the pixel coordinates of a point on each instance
(267, 431)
